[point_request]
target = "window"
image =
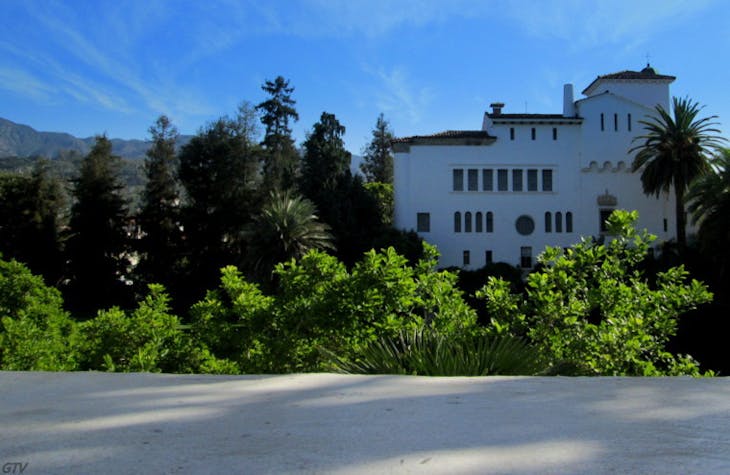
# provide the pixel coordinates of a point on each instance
(615, 122)
(478, 223)
(525, 225)
(502, 179)
(458, 179)
(666, 225)
(555, 133)
(628, 121)
(602, 122)
(490, 222)
(488, 259)
(526, 257)
(604, 214)
(548, 222)
(487, 179)
(423, 222)
(517, 179)
(568, 222)
(466, 258)
(547, 180)
(511, 133)
(457, 222)
(532, 133)
(558, 222)
(467, 222)
(473, 177)
(532, 180)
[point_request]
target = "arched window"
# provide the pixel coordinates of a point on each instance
(457, 222)
(467, 222)
(568, 222)
(558, 222)
(478, 223)
(548, 222)
(490, 222)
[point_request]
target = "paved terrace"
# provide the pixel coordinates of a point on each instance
(96, 423)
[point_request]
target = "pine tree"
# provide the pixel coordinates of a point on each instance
(159, 216)
(97, 245)
(377, 162)
(280, 159)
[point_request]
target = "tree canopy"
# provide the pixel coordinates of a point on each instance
(673, 152)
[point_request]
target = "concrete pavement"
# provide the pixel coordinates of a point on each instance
(98, 423)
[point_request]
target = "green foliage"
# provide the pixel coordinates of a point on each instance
(281, 159)
(673, 152)
(320, 305)
(383, 195)
(34, 329)
(709, 203)
(377, 162)
(287, 228)
(97, 241)
(148, 339)
(159, 217)
(231, 321)
(219, 171)
(424, 352)
(326, 161)
(591, 307)
(32, 208)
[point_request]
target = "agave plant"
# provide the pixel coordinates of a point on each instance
(424, 352)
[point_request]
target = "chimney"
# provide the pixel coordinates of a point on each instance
(496, 108)
(568, 103)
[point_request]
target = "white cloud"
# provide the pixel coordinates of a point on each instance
(25, 84)
(397, 95)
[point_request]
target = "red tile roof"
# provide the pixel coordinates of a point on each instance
(648, 73)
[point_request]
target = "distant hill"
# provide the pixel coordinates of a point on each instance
(17, 140)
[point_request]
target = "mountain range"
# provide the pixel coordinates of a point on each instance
(17, 140)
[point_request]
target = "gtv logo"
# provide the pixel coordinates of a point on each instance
(15, 467)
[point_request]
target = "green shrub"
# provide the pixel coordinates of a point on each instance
(590, 307)
(425, 352)
(34, 329)
(148, 339)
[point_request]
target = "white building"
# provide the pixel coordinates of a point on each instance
(525, 181)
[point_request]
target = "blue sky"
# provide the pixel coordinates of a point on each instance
(89, 67)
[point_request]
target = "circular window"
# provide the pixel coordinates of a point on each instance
(525, 225)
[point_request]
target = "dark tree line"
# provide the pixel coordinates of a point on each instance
(232, 195)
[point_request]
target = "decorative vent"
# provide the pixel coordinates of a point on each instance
(607, 199)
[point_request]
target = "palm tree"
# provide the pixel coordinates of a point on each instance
(709, 202)
(673, 153)
(286, 228)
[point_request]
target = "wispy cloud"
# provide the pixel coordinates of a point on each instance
(25, 84)
(616, 22)
(397, 95)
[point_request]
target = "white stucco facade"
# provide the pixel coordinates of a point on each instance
(525, 181)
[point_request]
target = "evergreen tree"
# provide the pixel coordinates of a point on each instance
(377, 162)
(97, 244)
(326, 162)
(219, 172)
(32, 208)
(280, 160)
(159, 216)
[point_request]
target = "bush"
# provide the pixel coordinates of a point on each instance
(591, 308)
(424, 352)
(34, 328)
(321, 305)
(149, 339)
